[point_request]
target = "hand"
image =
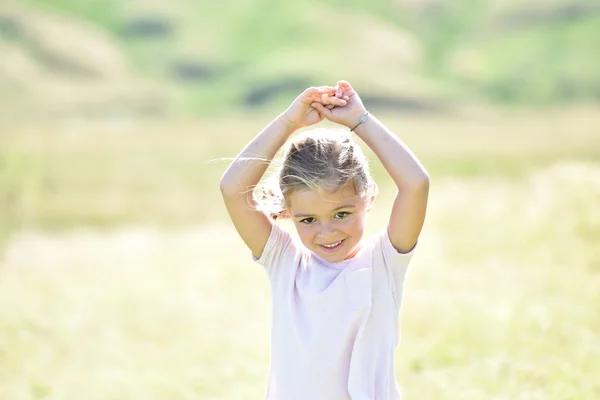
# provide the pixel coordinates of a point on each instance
(347, 115)
(301, 114)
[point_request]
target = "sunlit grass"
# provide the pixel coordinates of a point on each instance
(501, 300)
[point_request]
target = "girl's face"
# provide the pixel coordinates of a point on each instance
(329, 224)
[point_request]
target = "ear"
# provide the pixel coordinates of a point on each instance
(374, 191)
(370, 203)
(284, 214)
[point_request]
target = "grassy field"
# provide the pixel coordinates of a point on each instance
(121, 277)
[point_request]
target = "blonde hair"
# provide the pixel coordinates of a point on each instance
(320, 160)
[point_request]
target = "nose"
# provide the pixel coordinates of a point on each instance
(326, 230)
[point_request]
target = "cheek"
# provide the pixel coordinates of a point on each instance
(352, 224)
(356, 229)
(306, 232)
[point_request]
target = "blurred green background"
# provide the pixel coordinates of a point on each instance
(120, 274)
(202, 58)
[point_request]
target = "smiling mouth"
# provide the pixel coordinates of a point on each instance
(333, 246)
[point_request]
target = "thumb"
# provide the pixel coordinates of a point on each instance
(321, 109)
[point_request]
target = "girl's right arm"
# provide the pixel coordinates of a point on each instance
(245, 172)
(243, 175)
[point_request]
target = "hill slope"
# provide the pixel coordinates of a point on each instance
(211, 57)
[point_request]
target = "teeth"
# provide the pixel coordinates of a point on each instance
(330, 246)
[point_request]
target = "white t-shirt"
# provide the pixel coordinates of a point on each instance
(335, 325)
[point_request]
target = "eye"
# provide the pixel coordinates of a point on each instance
(341, 214)
(307, 221)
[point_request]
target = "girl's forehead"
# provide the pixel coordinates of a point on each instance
(315, 202)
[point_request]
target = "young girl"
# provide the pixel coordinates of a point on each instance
(336, 295)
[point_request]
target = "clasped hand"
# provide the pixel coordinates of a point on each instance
(340, 104)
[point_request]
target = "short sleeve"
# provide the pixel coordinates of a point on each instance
(395, 263)
(279, 250)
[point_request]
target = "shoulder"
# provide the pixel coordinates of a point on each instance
(390, 266)
(385, 252)
(280, 249)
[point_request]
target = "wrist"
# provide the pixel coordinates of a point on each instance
(358, 120)
(366, 127)
(288, 124)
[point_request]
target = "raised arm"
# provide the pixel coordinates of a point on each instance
(407, 172)
(411, 178)
(245, 172)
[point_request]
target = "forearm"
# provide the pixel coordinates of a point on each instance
(250, 165)
(399, 161)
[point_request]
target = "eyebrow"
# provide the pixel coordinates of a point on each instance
(334, 210)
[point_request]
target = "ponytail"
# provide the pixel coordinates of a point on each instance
(269, 199)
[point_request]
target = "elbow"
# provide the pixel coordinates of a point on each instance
(419, 182)
(232, 187)
(424, 180)
(423, 184)
(228, 186)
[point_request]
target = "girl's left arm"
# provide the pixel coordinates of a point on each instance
(409, 175)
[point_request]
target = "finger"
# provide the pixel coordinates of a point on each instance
(348, 95)
(345, 85)
(334, 101)
(316, 93)
(313, 90)
(330, 106)
(319, 90)
(325, 99)
(331, 90)
(321, 109)
(339, 91)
